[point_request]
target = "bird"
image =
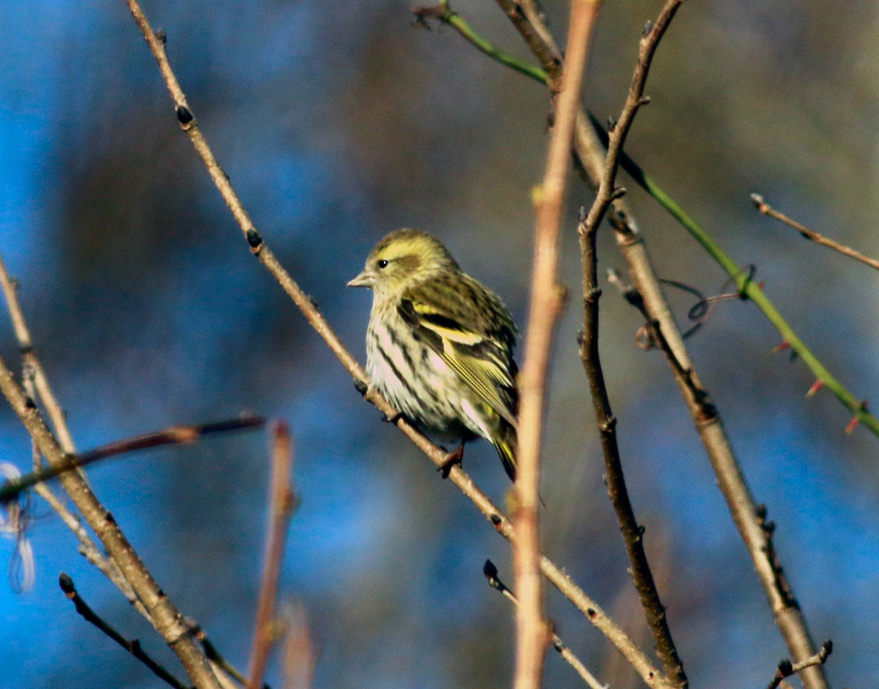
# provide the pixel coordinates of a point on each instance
(439, 345)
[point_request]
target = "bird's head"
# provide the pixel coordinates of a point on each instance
(401, 260)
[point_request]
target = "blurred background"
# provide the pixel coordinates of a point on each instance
(338, 122)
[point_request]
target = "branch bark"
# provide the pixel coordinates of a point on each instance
(546, 301)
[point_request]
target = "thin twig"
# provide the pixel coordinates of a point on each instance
(651, 676)
(37, 387)
(132, 646)
(740, 502)
(491, 575)
(281, 506)
(175, 435)
(166, 618)
(633, 533)
(786, 668)
(761, 205)
(217, 659)
(587, 148)
(546, 302)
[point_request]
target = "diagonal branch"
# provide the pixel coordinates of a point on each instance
(761, 205)
(706, 417)
(641, 663)
(166, 618)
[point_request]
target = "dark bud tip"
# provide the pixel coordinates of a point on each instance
(29, 402)
(489, 570)
(66, 583)
(361, 386)
(827, 647)
(590, 612)
(785, 668)
(648, 27)
(161, 36)
(496, 519)
(253, 238)
(611, 124)
(184, 115)
(757, 200)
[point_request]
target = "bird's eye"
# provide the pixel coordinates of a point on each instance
(383, 263)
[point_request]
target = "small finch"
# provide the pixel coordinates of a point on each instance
(439, 346)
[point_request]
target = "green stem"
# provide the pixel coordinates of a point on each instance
(744, 284)
(457, 22)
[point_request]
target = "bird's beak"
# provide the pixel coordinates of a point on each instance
(365, 278)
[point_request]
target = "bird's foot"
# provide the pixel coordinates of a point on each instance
(451, 460)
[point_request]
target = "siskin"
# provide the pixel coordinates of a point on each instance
(440, 344)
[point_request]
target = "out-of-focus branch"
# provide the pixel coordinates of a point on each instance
(37, 387)
(282, 503)
(761, 205)
(166, 618)
(546, 301)
(633, 533)
(593, 612)
(132, 646)
(625, 223)
(705, 416)
(172, 436)
(491, 575)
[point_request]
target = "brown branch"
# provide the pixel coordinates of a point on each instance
(132, 646)
(282, 503)
(651, 676)
(729, 475)
(633, 533)
(491, 575)
(166, 618)
(761, 205)
(546, 302)
(175, 435)
(37, 387)
(786, 668)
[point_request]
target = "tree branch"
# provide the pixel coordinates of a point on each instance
(651, 676)
(282, 504)
(633, 533)
(546, 301)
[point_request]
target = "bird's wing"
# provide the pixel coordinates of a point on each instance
(482, 359)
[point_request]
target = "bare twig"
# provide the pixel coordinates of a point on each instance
(491, 575)
(37, 386)
(546, 301)
(761, 205)
(786, 668)
(616, 484)
(651, 676)
(730, 479)
(281, 506)
(171, 436)
(627, 231)
(132, 646)
(166, 618)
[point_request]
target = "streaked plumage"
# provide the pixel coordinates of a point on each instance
(440, 344)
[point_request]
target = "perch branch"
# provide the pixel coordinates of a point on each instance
(651, 676)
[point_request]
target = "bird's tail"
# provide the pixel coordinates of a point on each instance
(504, 441)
